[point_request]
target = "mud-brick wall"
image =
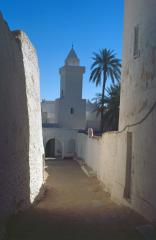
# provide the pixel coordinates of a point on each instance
(21, 150)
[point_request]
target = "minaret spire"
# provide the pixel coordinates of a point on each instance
(72, 59)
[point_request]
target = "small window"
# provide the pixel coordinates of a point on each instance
(62, 93)
(72, 110)
(136, 52)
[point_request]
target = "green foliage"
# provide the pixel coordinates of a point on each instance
(105, 65)
(110, 107)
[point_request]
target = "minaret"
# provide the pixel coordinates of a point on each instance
(71, 105)
(72, 59)
(138, 105)
(71, 77)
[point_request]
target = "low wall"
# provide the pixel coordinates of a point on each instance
(100, 153)
(125, 164)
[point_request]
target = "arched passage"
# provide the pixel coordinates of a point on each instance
(50, 148)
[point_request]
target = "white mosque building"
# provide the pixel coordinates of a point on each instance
(66, 116)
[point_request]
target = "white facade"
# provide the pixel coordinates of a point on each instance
(65, 141)
(21, 143)
(69, 112)
(71, 106)
(139, 61)
(138, 100)
(49, 112)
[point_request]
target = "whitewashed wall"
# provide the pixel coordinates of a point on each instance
(138, 96)
(48, 111)
(36, 150)
(21, 146)
(100, 153)
(71, 96)
(107, 156)
(63, 137)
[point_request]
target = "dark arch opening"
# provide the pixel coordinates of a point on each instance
(50, 148)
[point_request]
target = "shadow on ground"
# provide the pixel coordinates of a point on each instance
(74, 208)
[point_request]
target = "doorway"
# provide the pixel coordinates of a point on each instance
(50, 148)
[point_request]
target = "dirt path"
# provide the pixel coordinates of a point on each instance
(74, 208)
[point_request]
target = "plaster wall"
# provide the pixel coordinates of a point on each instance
(36, 150)
(107, 156)
(84, 113)
(138, 72)
(100, 154)
(48, 109)
(21, 147)
(71, 81)
(138, 100)
(71, 98)
(75, 120)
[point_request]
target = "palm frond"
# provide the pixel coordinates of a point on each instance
(105, 65)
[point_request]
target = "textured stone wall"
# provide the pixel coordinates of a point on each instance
(21, 150)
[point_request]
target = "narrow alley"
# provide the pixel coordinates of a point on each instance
(74, 208)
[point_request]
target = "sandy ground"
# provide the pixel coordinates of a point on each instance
(74, 208)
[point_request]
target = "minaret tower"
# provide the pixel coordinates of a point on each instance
(72, 108)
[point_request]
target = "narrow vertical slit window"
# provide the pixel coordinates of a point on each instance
(62, 93)
(72, 110)
(136, 52)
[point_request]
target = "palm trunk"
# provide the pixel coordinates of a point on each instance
(103, 96)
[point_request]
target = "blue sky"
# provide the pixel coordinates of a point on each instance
(53, 25)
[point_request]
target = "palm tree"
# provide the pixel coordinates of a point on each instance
(105, 65)
(111, 113)
(99, 104)
(110, 107)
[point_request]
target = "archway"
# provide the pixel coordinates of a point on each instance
(50, 148)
